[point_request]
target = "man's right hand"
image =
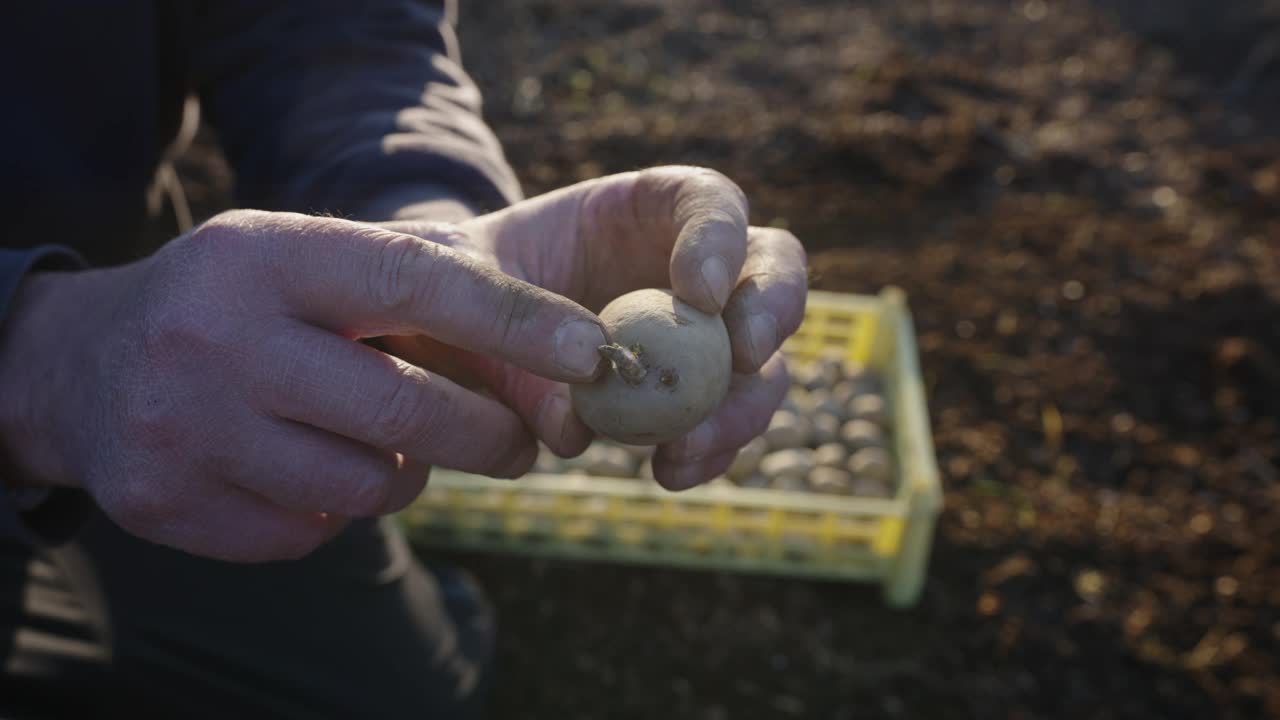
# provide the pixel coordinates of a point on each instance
(213, 397)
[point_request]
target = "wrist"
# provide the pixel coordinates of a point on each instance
(42, 342)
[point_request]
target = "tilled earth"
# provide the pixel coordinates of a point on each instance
(1081, 200)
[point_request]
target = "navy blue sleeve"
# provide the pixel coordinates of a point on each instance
(334, 106)
(63, 511)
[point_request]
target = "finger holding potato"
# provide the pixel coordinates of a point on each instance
(682, 228)
(710, 448)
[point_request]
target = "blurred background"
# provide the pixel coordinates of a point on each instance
(1082, 201)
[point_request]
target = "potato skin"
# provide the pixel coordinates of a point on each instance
(689, 362)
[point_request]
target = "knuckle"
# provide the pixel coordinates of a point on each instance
(403, 272)
(179, 336)
(174, 324)
(700, 196)
(217, 229)
(224, 233)
(782, 239)
(713, 198)
(238, 251)
(665, 174)
(155, 421)
(185, 305)
(717, 178)
(793, 251)
(410, 417)
(660, 177)
(717, 182)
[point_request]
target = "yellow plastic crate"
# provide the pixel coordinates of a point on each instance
(728, 527)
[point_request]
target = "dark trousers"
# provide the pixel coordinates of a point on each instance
(112, 626)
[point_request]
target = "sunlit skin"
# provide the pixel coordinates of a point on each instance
(210, 396)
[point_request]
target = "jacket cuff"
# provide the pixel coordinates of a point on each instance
(57, 517)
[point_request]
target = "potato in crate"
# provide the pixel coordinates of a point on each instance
(842, 485)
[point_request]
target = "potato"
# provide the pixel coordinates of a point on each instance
(858, 434)
(826, 429)
(638, 452)
(799, 401)
(548, 462)
(830, 480)
(789, 483)
(872, 462)
(831, 455)
(646, 470)
(833, 357)
(747, 461)
(787, 430)
(869, 407)
(578, 461)
(757, 480)
(864, 379)
(796, 461)
(823, 401)
(807, 375)
(829, 372)
(608, 461)
(853, 370)
(842, 394)
(671, 365)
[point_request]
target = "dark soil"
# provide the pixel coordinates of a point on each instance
(1082, 201)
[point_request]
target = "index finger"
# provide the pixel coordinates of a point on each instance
(709, 220)
(364, 281)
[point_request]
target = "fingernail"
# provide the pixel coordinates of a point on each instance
(553, 416)
(763, 331)
(576, 343)
(697, 443)
(715, 276)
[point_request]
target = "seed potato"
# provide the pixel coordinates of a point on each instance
(670, 367)
(757, 480)
(858, 434)
(869, 407)
(830, 480)
(831, 455)
(826, 429)
(796, 461)
(747, 461)
(872, 462)
(610, 461)
(786, 430)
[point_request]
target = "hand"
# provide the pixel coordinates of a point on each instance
(212, 397)
(679, 227)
